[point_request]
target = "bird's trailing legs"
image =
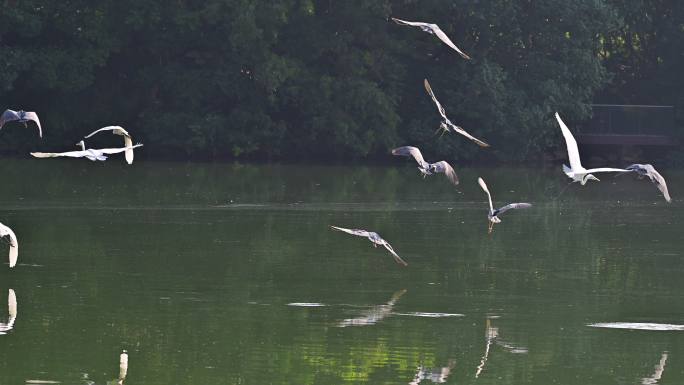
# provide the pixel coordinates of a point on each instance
(491, 227)
(442, 127)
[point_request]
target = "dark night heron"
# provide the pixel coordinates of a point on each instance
(493, 214)
(433, 29)
(21, 117)
(375, 238)
(425, 167)
(446, 125)
(576, 172)
(91, 154)
(118, 130)
(653, 175)
(8, 235)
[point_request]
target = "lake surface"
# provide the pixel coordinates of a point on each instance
(230, 274)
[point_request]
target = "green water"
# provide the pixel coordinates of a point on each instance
(193, 268)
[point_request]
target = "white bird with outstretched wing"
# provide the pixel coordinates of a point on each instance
(576, 172)
(118, 130)
(91, 153)
(7, 234)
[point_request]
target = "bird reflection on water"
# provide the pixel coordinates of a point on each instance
(659, 369)
(375, 314)
(435, 375)
(492, 336)
(12, 310)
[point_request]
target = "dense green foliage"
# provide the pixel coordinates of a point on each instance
(321, 79)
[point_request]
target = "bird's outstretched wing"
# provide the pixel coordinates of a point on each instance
(360, 233)
(13, 244)
(434, 99)
(489, 196)
(571, 144)
(654, 176)
(467, 135)
(117, 130)
(8, 116)
(411, 151)
(606, 169)
(117, 150)
(444, 167)
(128, 142)
(70, 154)
(513, 206)
(394, 254)
(30, 115)
(445, 39)
(411, 23)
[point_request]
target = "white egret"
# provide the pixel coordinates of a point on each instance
(576, 172)
(375, 238)
(118, 130)
(493, 214)
(425, 167)
(22, 117)
(91, 154)
(433, 29)
(7, 234)
(654, 176)
(446, 124)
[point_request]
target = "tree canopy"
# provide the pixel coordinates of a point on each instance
(330, 80)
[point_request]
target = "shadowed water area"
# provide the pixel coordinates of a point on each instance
(227, 274)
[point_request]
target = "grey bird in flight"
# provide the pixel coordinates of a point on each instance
(493, 214)
(653, 175)
(446, 124)
(433, 29)
(375, 238)
(21, 117)
(118, 130)
(425, 167)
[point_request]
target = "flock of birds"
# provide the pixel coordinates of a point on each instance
(576, 171)
(25, 117)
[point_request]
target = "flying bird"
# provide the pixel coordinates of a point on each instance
(493, 214)
(21, 117)
(8, 235)
(118, 130)
(375, 238)
(576, 172)
(653, 175)
(425, 167)
(433, 29)
(91, 154)
(446, 124)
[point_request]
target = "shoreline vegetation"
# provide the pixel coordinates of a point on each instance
(295, 81)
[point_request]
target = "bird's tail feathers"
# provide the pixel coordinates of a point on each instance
(566, 169)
